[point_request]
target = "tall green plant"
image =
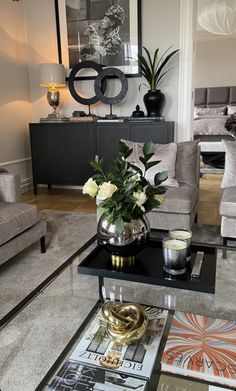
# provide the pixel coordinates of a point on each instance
(154, 69)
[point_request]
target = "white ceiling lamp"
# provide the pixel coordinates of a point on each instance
(218, 17)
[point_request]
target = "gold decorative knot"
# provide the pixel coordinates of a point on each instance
(126, 322)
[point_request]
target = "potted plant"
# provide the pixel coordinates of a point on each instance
(154, 70)
(125, 196)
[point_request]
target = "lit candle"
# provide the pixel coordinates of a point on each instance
(182, 234)
(174, 255)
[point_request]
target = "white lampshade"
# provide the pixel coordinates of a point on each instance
(219, 17)
(52, 75)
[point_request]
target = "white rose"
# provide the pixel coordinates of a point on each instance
(106, 190)
(135, 177)
(90, 188)
(160, 198)
(140, 198)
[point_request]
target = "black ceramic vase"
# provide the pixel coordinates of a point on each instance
(154, 101)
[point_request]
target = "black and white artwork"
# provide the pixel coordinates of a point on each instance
(107, 32)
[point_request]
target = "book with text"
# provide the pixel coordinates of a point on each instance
(170, 383)
(75, 376)
(137, 359)
(201, 347)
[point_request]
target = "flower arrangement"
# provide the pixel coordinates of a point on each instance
(124, 192)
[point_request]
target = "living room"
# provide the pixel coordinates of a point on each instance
(44, 300)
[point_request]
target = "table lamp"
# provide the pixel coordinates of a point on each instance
(52, 77)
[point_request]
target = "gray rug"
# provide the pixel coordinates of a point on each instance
(66, 233)
(208, 169)
(33, 340)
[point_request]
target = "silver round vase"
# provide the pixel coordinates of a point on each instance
(125, 245)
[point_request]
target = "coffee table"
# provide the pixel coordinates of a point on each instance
(96, 262)
(47, 324)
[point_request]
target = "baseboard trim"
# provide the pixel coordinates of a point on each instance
(26, 159)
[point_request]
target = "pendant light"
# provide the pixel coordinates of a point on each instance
(218, 17)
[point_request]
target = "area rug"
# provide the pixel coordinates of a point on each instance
(67, 232)
(208, 169)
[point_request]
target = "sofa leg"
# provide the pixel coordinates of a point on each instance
(224, 250)
(43, 244)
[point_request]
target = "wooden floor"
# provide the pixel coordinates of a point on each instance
(74, 200)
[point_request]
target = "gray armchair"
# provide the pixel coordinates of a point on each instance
(19, 224)
(181, 203)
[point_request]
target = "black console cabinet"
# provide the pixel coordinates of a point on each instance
(61, 151)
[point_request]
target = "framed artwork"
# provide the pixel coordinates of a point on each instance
(105, 31)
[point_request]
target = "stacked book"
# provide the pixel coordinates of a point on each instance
(197, 346)
(201, 347)
(98, 363)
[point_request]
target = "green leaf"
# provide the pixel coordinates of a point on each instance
(160, 190)
(148, 148)
(151, 164)
(160, 177)
(139, 171)
(119, 223)
(129, 187)
(142, 160)
(124, 150)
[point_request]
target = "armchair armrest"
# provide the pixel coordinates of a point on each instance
(9, 187)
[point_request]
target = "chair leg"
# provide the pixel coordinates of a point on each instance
(43, 244)
(196, 218)
(224, 250)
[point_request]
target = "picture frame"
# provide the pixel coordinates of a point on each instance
(105, 31)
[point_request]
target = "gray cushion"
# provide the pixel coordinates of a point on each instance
(228, 227)
(229, 178)
(166, 153)
(180, 199)
(187, 163)
(228, 202)
(15, 218)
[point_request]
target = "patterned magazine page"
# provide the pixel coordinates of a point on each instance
(201, 347)
(170, 383)
(137, 359)
(74, 376)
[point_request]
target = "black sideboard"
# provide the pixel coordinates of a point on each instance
(61, 151)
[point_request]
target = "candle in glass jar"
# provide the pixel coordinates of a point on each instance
(175, 244)
(174, 255)
(181, 234)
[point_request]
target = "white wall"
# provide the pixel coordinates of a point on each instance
(15, 105)
(215, 63)
(28, 38)
(160, 28)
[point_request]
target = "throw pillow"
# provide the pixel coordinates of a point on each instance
(198, 111)
(187, 163)
(229, 178)
(164, 152)
(231, 109)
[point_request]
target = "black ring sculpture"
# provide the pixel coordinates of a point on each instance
(71, 80)
(98, 85)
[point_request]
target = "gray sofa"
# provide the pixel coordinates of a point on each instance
(181, 203)
(228, 215)
(19, 223)
(228, 201)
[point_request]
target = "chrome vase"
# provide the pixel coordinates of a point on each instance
(125, 245)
